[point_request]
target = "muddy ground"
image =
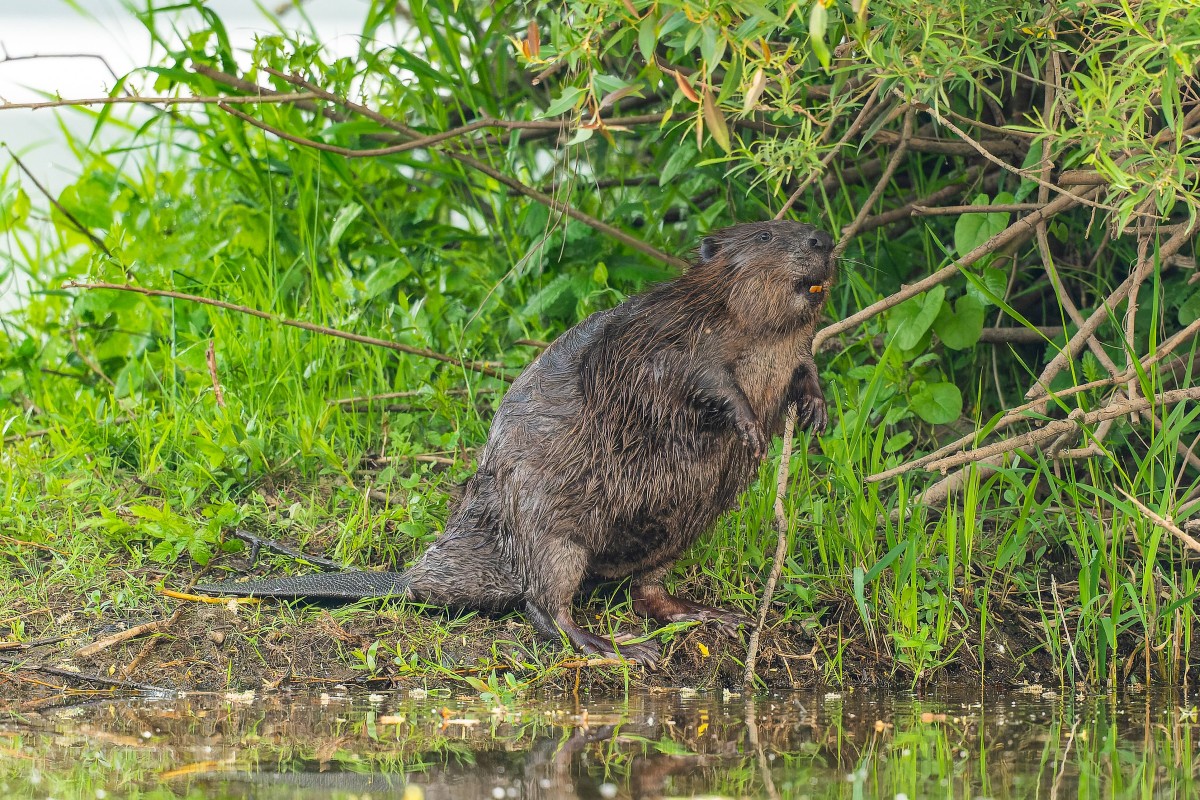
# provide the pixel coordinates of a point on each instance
(225, 646)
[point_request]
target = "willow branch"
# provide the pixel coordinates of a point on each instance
(983, 151)
(851, 230)
(474, 366)
(1053, 430)
(476, 164)
(291, 97)
(1101, 314)
(865, 115)
(1017, 414)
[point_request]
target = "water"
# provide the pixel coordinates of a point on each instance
(414, 745)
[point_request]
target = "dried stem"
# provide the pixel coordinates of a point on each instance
(781, 529)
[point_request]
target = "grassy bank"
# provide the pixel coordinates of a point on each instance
(141, 432)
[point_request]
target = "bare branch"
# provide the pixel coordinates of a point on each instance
(1023, 227)
(157, 101)
(474, 366)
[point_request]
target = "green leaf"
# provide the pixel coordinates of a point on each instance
(1189, 310)
(996, 282)
(938, 403)
(680, 159)
(648, 37)
(564, 101)
(960, 329)
(15, 210)
(581, 135)
(818, 20)
(972, 230)
(342, 220)
(386, 276)
(912, 318)
(897, 442)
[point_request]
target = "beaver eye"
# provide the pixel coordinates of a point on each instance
(764, 236)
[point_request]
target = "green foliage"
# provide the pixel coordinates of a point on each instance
(663, 120)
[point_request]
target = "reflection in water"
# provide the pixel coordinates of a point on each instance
(851, 745)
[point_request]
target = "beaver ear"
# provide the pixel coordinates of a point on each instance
(708, 248)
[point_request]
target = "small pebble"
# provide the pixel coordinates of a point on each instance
(608, 790)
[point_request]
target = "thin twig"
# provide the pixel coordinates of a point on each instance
(348, 152)
(79, 226)
(866, 114)
(781, 529)
(906, 212)
(86, 677)
(308, 326)
(999, 208)
(851, 230)
(1017, 413)
(278, 97)
(983, 151)
(1077, 342)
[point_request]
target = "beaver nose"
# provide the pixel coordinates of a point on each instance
(820, 241)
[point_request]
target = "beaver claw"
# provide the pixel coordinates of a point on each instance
(751, 433)
(644, 653)
(812, 413)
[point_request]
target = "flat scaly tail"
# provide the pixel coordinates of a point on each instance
(319, 586)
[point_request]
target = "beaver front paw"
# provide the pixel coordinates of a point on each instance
(812, 413)
(751, 433)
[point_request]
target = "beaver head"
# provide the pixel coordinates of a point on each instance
(779, 272)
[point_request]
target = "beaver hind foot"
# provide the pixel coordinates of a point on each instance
(653, 601)
(558, 624)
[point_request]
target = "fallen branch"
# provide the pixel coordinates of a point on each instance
(474, 366)
(1026, 442)
(121, 636)
(86, 677)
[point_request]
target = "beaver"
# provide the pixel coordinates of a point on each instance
(622, 442)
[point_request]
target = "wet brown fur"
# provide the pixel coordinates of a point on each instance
(625, 440)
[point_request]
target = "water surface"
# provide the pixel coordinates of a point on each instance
(412, 744)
